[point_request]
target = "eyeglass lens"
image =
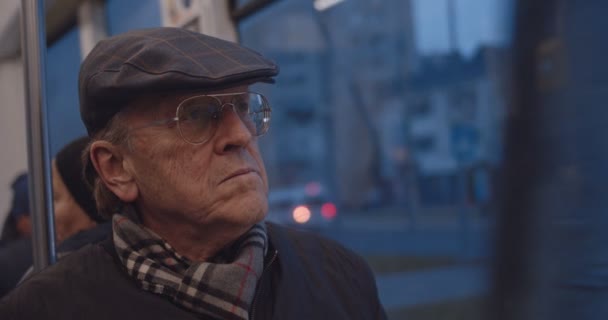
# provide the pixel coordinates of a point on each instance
(198, 117)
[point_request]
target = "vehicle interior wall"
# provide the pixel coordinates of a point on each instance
(8, 18)
(12, 129)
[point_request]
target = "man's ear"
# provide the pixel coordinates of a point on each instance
(109, 162)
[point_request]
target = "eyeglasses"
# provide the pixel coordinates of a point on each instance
(198, 117)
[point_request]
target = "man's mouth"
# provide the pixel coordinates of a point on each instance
(238, 173)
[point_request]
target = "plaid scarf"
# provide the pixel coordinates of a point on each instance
(222, 289)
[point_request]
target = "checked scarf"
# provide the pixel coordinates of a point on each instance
(222, 289)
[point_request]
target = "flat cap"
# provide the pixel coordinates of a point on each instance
(156, 60)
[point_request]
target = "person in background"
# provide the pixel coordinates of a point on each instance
(75, 209)
(76, 217)
(16, 242)
(77, 221)
(17, 224)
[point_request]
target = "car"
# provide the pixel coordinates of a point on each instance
(308, 206)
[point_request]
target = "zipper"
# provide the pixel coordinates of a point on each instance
(259, 288)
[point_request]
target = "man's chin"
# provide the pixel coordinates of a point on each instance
(249, 209)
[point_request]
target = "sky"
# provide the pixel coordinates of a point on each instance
(477, 21)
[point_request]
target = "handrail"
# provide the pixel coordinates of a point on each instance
(33, 48)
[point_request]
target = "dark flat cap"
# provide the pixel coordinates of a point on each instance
(123, 67)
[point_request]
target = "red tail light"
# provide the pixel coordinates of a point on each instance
(329, 211)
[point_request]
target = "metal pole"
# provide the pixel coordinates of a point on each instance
(33, 48)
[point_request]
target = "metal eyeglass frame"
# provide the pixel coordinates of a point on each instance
(175, 119)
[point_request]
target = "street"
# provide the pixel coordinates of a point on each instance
(468, 242)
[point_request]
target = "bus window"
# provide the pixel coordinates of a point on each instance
(394, 109)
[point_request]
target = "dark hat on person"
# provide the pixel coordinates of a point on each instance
(160, 60)
(70, 166)
(20, 205)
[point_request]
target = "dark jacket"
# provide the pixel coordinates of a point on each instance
(306, 277)
(90, 236)
(15, 258)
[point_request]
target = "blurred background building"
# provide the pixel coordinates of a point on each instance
(359, 109)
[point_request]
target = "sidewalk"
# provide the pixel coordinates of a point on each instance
(401, 290)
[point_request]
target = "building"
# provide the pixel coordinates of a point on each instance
(455, 116)
(338, 94)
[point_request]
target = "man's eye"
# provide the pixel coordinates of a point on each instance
(197, 113)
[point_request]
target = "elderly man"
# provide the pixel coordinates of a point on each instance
(176, 163)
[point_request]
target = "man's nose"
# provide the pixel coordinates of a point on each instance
(232, 133)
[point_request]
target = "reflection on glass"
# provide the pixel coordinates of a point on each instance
(391, 112)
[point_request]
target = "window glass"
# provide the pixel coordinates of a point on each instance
(386, 135)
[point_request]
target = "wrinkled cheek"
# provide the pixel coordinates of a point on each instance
(162, 170)
(264, 177)
(189, 176)
(194, 169)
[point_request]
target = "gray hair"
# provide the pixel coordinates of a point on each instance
(116, 133)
